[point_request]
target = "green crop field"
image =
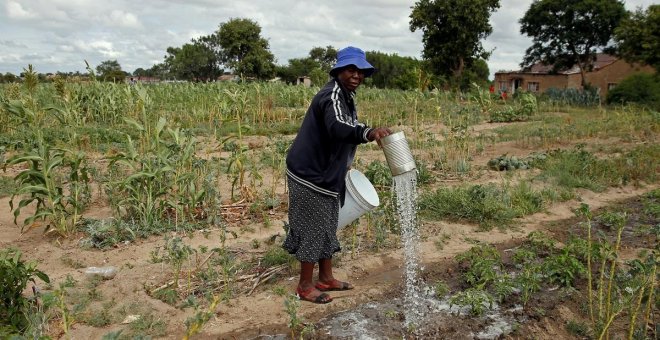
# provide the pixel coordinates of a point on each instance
(181, 188)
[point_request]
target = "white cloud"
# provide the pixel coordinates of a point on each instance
(16, 11)
(123, 19)
(9, 58)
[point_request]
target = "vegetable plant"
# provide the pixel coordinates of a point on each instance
(15, 274)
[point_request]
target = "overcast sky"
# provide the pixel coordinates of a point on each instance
(59, 35)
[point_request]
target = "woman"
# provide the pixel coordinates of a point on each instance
(317, 163)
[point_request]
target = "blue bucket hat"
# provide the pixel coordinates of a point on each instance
(352, 56)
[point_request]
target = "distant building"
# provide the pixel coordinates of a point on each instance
(607, 72)
(229, 77)
(141, 79)
(304, 80)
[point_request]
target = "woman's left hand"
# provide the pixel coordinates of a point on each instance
(377, 133)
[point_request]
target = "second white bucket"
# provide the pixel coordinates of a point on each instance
(361, 197)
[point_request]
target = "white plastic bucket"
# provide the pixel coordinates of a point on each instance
(361, 196)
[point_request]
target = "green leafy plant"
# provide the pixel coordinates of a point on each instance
(195, 323)
(175, 252)
(14, 276)
(379, 174)
(529, 281)
(296, 324)
(503, 287)
(158, 178)
(506, 163)
(476, 298)
(563, 268)
(441, 289)
(41, 183)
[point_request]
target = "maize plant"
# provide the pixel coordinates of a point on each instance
(142, 191)
(41, 183)
(158, 179)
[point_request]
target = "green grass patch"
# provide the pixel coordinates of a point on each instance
(7, 186)
(579, 168)
(488, 205)
(627, 123)
(277, 256)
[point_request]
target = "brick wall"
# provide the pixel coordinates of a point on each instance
(608, 75)
(545, 81)
(613, 74)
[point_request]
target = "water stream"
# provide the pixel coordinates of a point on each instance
(405, 189)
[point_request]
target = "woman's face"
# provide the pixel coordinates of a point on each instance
(351, 77)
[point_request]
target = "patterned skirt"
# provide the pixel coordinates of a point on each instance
(313, 219)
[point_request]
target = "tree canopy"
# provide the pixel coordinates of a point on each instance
(324, 57)
(393, 71)
(110, 70)
(452, 33)
(569, 32)
(194, 61)
(316, 66)
(638, 37)
(243, 49)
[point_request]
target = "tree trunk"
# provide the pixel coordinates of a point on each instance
(583, 74)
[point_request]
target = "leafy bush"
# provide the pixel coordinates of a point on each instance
(476, 298)
(14, 276)
(506, 114)
(483, 263)
(505, 163)
(525, 108)
(641, 88)
(379, 174)
(563, 269)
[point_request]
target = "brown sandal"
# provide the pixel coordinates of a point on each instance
(335, 285)
(322, 298)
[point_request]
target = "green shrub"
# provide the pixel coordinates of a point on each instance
(14, 276)
(641, 88)
(379, 174)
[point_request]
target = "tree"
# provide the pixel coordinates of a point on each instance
(477, 73)
(9, 78)
(325, 57)
(452, 33)
(316, 66)
(160, 70)
(393, 71)
(110, 70)
(638, 37)
(297, 67)
(140, 72)
(243, 49)
(195, 62)
(566, 33)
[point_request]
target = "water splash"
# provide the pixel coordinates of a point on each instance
(405, 189)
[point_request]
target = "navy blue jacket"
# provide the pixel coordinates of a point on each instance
(324, 148)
